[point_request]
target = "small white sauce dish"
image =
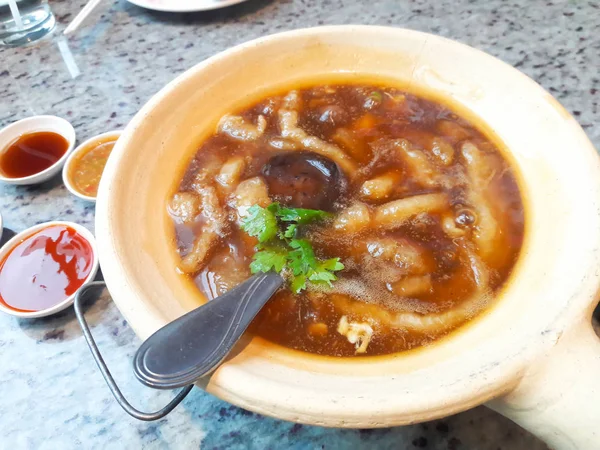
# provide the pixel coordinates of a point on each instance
(34, 124)
(77, 153)
(17, 239)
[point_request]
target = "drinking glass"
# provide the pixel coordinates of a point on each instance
(24, 21)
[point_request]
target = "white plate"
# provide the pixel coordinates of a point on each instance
(184, 5)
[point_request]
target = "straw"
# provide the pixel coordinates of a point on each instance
(14, 9)
(87, 9)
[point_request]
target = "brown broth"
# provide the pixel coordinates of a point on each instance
(368, 123)
(32, 153)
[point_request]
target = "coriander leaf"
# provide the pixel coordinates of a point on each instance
(332, 264)
(298, 283)
(302, 258)
(265, 260)
(322, 276)
(290, 231)
(279, 250)
(260, 223)
(301, 215)
(323, 273)
(274, 208)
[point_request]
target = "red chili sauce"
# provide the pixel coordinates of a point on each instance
(45, 268)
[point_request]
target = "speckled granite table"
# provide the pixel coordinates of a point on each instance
(51, 394)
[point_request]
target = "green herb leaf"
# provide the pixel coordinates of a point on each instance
(298, 284)
(323, 273)
(322, 278)
(274, 208)
(290, 231)
(302, 258)
(279, 249)
(265, 260)
(260, 223)
(332, 264)
(301, 215)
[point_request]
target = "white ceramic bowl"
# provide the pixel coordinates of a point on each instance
(533, 355)
(32, 124)
(75, 154)
(17, 239)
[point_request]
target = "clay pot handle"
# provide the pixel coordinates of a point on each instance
(558, 399)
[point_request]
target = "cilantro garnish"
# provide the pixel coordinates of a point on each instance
(290, 231)
(276, 228)
(302, 216)
(270, 258)
(302, 259)
(260, 223)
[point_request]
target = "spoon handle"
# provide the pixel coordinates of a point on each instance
(196, 343)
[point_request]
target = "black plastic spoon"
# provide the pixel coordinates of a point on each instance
(195, 344)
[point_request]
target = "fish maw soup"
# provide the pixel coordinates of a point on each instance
(392, 219)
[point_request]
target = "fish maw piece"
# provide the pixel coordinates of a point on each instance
(185, 206)
(429, 323)
(353, 219)
(486, 229)
(450, 228)
(288, 126)
(396, 213)
(411, 286)
(284, 144)
(443, 151)
(252, 191)
(215, 221)
(404, 254)
(211, 208)
(196, 258)
(226, 270)
(292, 100)
(206, 173)
(230, 173)
(421, 169)
(237, 128)
(380, 187)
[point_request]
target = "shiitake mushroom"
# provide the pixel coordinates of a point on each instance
(304, 179)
